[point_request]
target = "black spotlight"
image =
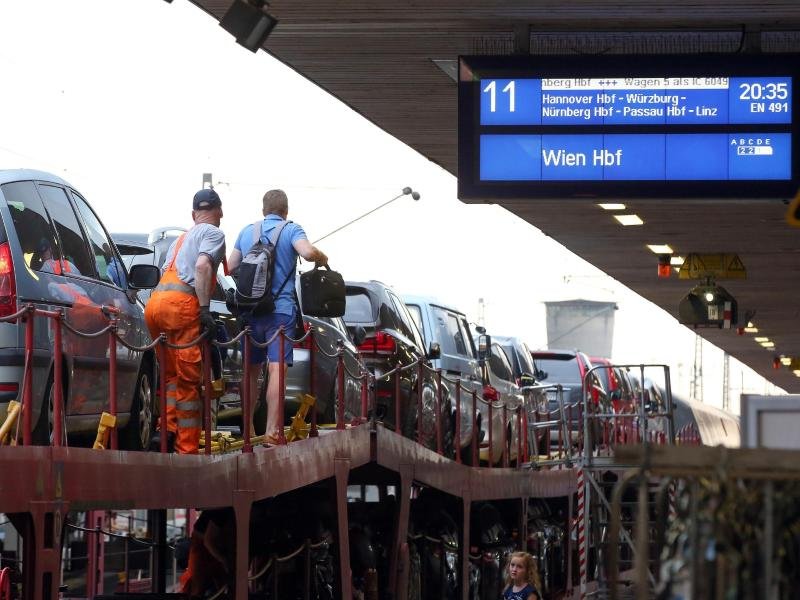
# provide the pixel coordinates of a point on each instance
(708, 305)
(249, 23)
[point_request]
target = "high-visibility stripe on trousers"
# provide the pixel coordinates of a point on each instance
(177, 315)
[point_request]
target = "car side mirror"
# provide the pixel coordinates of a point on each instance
(144, 277)
(359, 335)
(434, 351)
(484, 346)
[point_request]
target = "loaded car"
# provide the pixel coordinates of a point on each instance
(328, 335)
(500, 389)
(393, 340)
(567, 368)
(56, 254)
(448, 328)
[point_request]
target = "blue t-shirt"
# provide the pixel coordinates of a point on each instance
(520, 595)
(286, 257)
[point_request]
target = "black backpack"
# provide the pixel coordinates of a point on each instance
(254, 275)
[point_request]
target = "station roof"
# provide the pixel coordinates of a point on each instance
(394, 63)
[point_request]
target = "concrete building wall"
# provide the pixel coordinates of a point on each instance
(584, 325)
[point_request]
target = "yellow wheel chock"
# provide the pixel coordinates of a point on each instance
(107, 423)
(12, 412)
(298, 430)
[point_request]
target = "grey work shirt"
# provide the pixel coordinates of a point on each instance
(203, 238)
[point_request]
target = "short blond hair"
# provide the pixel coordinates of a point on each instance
(276, 203)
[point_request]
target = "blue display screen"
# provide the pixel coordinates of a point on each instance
(635, 157)
(705, 125)
(636, 101)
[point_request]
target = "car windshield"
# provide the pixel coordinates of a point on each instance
(603, 374)
(560, 370)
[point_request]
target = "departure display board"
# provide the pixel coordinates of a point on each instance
(628, 126)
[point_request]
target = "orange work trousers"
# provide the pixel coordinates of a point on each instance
(177, 314)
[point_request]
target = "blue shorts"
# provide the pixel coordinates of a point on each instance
(263, 328)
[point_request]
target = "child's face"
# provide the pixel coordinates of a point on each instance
(517, 570)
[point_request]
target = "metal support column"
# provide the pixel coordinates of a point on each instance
(157, 531)
(466, 503)
(398, 562)
(342, 471)
(242, 505)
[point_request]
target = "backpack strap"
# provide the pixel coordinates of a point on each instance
(274, 235)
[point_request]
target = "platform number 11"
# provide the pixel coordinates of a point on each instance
(491, 88)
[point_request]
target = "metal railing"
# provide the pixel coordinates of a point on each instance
(522, 419)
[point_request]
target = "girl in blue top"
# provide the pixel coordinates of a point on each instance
(522, 578)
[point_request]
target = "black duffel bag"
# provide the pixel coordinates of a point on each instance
(322, 293)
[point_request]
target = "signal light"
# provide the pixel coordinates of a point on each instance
(382, 343)
(664, 266)
(8, 282)
(490, 393)
(306, 343)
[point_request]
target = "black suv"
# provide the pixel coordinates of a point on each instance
(392, 339)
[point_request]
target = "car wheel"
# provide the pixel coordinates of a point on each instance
(137, 433)
(42, 434)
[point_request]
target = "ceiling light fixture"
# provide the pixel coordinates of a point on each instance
(628, 220)
(611, 206)
(768, 344)
(751, 329)
(660, 248)
(760, 339)
(676, 261)
(785, 360)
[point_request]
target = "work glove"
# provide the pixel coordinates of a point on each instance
(208, 323)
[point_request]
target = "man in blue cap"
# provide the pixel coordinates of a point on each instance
(179, 307)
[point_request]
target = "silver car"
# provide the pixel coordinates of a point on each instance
(56, 254)
(501, 389)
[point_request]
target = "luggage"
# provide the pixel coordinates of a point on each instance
(322, 293)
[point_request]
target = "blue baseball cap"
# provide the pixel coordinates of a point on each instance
(206, 199)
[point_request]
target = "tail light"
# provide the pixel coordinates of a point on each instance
(8, 282)
(490, 393)
(308, 341)
(382, 343)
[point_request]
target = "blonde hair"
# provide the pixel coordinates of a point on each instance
(531, 571)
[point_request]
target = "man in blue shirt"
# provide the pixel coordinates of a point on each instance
(291, 243)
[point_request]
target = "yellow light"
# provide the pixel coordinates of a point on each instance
(751, 329)
(676, 260)
(660, 249)
(627, 220)
(768, 344)
(611, 206)
(785, 360)
(761, 339)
